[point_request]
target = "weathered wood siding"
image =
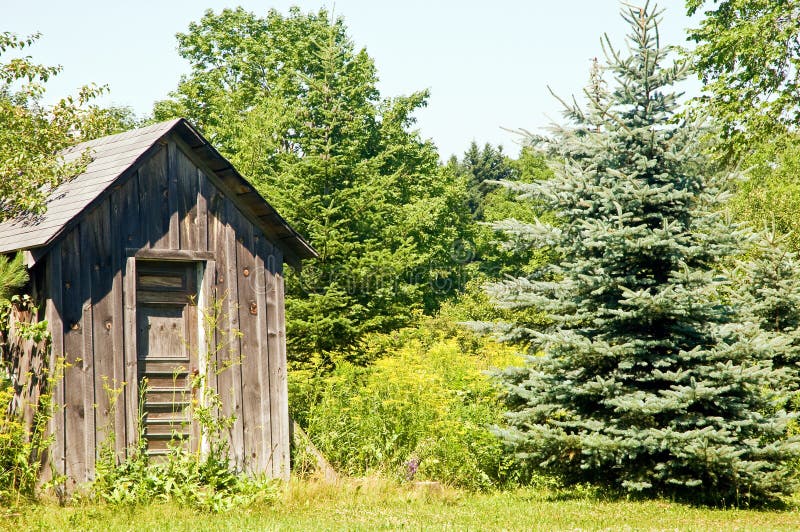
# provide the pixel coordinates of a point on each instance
(168, 202)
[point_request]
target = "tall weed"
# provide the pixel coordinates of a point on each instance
(21, 448)
(24, 440)
(421, 411)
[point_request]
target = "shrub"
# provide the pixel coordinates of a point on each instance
(421, 411)
(20, 448)
(203, 482)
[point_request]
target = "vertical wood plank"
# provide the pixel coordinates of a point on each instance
(283, 388)
(227, 356)
(153, 186)
(222, 337)
(193, 317)
(206, 336)
(274, 350)
(131, 363)
(96, 237)
(86, 266)
(216, 290)
(235, 350)
(134, 228)
(251, 352)
(172, 195)
(263, 251)
(203, 197)
(127, 224)
(124, 233)
(74, 377)
(53, 312)
(187, 190)
(121, 383)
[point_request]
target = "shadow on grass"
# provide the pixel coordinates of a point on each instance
(551, 490)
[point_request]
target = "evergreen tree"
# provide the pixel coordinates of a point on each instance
(480, 167)
(13, 277)
(646, 381)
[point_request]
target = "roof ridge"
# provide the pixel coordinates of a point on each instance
(114, 155)
(116, 137)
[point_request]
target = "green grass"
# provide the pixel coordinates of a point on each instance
(371, 505)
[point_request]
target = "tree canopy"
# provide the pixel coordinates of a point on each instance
(32, 134)
(747, 55)
(292, 103)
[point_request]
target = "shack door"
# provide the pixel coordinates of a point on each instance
(166, 324)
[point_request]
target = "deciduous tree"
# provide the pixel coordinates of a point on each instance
(748, 54)
(295, 106)
(32, 134)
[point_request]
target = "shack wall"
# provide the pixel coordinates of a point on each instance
(169, 206)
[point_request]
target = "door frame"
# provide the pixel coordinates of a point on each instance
(205, 267)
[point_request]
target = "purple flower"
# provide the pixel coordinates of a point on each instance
(411, 468)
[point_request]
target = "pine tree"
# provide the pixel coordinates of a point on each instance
(13, 276)
(647, 381)
(480, 168)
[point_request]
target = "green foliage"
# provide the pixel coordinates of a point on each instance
(483, 252)
(99, 122)
(498, 255)
(422, 411)
(23, 445)
(769, 196)
(292, 103)
(748, 55)
(13, 277)
(18, 473)
(647, 381)
(31, 134)
(201, 482)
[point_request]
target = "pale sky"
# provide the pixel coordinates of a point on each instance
(487, 64)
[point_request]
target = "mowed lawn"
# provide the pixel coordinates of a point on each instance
(375, 505)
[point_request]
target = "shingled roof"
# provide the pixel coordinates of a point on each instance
(112, 156)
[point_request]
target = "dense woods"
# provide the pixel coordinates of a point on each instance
(617, 305)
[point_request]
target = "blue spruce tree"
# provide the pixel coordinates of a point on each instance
(649, 379)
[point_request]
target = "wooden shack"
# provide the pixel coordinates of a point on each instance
(132, 262)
